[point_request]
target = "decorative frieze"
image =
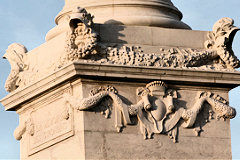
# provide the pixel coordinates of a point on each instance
(156, 111)
(83, 43)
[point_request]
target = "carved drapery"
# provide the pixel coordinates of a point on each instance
(155, 111)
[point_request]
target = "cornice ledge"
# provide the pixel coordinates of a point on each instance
(82, 69)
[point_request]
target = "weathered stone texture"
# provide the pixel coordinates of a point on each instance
(95, 137)
(107, 91)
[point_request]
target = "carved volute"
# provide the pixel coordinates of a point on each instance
(161, 13)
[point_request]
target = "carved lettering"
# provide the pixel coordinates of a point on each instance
(52, 123)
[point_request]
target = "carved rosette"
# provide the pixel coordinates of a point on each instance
(156, 111)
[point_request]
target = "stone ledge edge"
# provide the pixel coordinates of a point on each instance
(83, 69)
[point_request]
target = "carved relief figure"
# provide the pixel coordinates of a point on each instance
(17, 57)
(220, 40)
(83, 42)
(26, 126)
(81, 39)
(155, 111)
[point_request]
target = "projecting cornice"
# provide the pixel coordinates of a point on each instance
(112, 72)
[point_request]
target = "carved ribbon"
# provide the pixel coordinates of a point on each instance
(149, 122)
(121, 109)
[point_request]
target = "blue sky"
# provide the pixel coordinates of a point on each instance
(28, 21)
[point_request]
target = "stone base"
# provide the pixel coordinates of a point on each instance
(160, 13)
(88, 135)
(103, 142)
(53, 127)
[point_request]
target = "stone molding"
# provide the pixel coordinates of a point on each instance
(160, 13)
(82, 69)
(46, 124)
(84, 48)
(135, 12)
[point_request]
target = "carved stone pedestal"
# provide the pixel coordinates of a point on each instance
(161, 13)
(124, 92)
(87, 111)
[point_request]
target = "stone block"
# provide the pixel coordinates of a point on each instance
(178, 38)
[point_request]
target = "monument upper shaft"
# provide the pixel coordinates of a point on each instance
(161, 13)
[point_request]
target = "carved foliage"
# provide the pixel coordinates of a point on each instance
(173, 57)
(81, 41)
(155, 111)
(220, 40)
(219, 105)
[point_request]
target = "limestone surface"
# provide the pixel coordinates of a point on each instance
(124, 87)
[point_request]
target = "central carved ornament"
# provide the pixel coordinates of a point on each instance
(156, 111)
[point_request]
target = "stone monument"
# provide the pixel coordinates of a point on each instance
(124, 79)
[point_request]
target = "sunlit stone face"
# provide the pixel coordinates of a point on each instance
(161, 13)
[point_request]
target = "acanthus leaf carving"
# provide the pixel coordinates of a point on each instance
(81, 40)
(155, 111)
(220, 40)
(219, 44)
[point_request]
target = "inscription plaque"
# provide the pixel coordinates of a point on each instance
(53, 122)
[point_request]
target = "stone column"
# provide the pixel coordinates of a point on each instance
(160, 13)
